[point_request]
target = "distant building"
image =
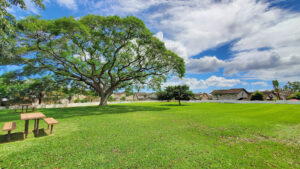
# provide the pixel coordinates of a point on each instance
(206, 96)
(152, 96)
(285, 94)
(202, 96)
(269, 95)
(119, 96)
(141, 96)
(230, 94)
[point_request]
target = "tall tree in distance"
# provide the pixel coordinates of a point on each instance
(106, 53)
(182, 92)
(292, 86)
(276, 88)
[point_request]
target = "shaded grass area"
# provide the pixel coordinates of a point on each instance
(159, 135)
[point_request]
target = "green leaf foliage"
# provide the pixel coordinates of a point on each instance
(8, 52)
(106, 53)
(257, 95)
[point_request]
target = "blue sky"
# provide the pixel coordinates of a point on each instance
(225, 43)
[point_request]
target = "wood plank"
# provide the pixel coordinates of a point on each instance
(50, 121)
(8, 126)
(31, 116)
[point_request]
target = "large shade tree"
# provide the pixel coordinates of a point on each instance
(106, 53)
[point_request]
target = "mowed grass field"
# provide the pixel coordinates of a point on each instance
(158, 135)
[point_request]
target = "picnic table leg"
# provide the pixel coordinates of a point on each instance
(26, 128)
(34, 124)
(48, 127)
(51, 129)
(8, 136)
(37, 126)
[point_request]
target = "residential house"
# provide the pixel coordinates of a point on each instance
(140, 96)
(230, 94)
(285, 94)
(269, 95)
(152, 96)
(119, 96)
(197, 96)
(206, 96)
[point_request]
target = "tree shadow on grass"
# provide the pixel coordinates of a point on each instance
(95, 110)
(70, 112)
(42, 133)
(19, 136)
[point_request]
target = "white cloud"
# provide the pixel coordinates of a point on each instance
(174, 46)
(70, 4)
(189, 27)
(259, 83)
(31, 7)
(204, 64)
(194, 83)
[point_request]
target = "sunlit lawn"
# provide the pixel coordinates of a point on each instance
(159, 135)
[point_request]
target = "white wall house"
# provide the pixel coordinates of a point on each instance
(230, 94)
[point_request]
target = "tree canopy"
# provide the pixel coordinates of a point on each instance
(180, 92)
(292, 86)
(106, 53)
(7, 30)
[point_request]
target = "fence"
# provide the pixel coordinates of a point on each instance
(244, 102)
(191, 101)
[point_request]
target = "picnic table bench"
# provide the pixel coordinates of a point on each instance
(50, 121)
(9, 126)
(26, 106)
(32, 116)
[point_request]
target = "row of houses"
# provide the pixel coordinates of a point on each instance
(243, 94)
(152, 96)
(135, 96)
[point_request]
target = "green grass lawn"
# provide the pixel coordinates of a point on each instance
(158, 135)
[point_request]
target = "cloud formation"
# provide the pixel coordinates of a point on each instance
(266, 38)
(203, 84)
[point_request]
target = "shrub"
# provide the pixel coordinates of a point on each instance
(77, 101)
(257, 96)
(85, 100)
(111, 99)
(163, 95)
(123, 98)
(296, 95)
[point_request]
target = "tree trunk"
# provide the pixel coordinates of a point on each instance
(179, 102)
(40, 97)
(104, 96)
(103, 99)
(103, 102)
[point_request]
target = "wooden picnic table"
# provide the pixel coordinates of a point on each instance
(25, 106)
(32, 116)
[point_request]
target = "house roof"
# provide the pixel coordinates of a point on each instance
(267, 92)
(229, 91)
(119, 94)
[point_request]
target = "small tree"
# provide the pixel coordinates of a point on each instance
(164, 95)
(182, 92)
(123, 98)
(257, 96)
